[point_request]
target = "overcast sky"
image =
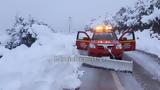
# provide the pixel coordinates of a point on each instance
(56, 12)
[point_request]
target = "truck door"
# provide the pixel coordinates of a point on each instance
(128, 41)
(82, 41)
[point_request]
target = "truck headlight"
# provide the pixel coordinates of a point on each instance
(91, 45)
(119, 46)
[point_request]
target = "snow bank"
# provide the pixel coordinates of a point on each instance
(147, 62)
(31, 68)
(147, 43)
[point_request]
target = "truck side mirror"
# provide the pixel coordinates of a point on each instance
(123, 39)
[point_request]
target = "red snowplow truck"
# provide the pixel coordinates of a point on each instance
(102, 41)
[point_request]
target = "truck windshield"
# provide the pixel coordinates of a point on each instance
(104, 36)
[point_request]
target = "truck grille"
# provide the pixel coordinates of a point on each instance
(105, 45)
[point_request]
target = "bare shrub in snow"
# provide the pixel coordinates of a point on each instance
(22, 32)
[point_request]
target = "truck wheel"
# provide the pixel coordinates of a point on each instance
(119, 58)
(111, 57)
(77, 88)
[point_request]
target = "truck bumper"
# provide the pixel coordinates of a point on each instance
(103, 52)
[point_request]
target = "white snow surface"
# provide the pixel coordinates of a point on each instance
(31, 68)
(147, 62)
(3, 37)
(147, 43)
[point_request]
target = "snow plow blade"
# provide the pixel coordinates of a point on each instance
(111, 64)
(106, 63)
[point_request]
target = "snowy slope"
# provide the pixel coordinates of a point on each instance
(147, 43)
(26, 68)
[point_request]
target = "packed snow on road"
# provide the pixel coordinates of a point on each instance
(24, 68)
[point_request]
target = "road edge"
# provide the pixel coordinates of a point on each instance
(117, 81)
(148, 53)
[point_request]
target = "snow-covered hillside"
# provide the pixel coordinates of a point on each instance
(144, 15)
(30, 68)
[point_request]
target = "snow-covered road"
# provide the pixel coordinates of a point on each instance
(142, 77)
(102, 79)
(97, 79)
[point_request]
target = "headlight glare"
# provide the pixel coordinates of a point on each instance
(118, 46)
(91, 45)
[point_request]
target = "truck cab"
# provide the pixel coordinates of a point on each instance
(104, 42)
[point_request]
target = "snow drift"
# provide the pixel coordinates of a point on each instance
(25, 68)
